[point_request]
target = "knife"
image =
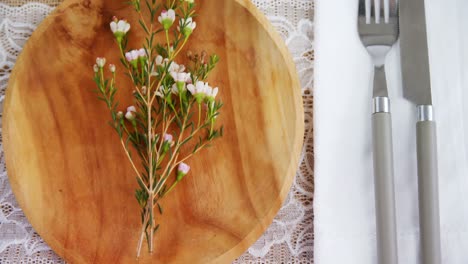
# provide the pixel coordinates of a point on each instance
(417, 89)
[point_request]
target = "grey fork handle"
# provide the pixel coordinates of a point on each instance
(387, 252)
(429, 220)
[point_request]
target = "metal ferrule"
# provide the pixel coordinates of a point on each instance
(425, 113)
(381, 105)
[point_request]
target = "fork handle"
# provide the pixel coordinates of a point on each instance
(429, 219)
(383, 182)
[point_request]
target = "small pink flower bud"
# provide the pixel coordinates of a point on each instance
(182, 170)
(112, 68)
(167, 138)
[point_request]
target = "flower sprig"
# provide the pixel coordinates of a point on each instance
(173, 104)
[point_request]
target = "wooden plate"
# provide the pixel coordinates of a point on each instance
(71, 177)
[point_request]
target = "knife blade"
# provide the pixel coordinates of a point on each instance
(417, 89)
(414, 52)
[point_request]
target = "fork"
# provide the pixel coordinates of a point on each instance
(378, 30)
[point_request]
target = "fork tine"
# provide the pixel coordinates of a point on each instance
(364, 10)
(393, 7)
(367, 7)
(377, 11)
(386, 10)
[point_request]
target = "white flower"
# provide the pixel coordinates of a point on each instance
(134, 55)
(211, 93)
(175, 89)
(128, 56)
(131, 109)
(167, 18)
(96, 68)
(189, 1)
(131, 113)
(160, 91)
(186, 27)
(141, 53)
(112, 68)
(119, 27)
(130, 116)
(159, 60)
(180, 76)
(131, 55)
(174, 67)
(100, 62)
(198, 88)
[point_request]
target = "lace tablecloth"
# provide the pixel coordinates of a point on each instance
(289, 239)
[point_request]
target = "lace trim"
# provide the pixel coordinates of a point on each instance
(296, 4)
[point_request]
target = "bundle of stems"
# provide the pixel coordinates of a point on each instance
(173, 104)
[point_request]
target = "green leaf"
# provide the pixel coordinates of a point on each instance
(141, 183)
(145, 166)
(163, 190)
(155, 229)
(186, 140)
(160, 208)
(126, 147)
(195, 148)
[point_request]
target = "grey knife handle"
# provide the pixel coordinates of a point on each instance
(383, 182)
(428, 189)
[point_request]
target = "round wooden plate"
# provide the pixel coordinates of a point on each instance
(71, 176)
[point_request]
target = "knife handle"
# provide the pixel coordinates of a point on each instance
(429, 220)
(383, 182)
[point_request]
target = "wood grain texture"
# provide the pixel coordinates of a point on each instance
(72, 179)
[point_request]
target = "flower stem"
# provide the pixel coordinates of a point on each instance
(170, 164)
(131, 162)
(168, 44)
(157, 87)
(199, 115)
(187, 157)
(142, 236)
(170, 189)
(181, 47)
(151, 226)
(150, 157)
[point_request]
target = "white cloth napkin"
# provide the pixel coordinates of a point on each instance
(344, 221)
